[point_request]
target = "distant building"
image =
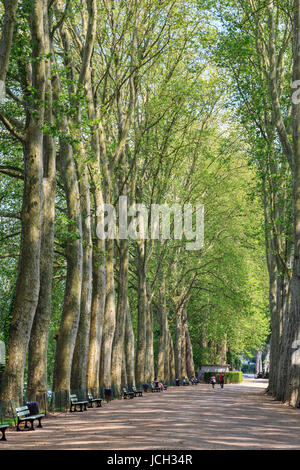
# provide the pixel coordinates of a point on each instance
(212, 368)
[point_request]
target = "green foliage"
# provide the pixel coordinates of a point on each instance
(186, 144)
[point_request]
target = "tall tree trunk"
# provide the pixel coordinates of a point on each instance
(99, 273)
(149, 351)
(142, 315)
(10, 7)
(162, 372)
(124, 371)
(183, 344)
(171, 358)
(266, 367)
(97, 316)
(190, 367)
(178, 344)
(275, 327)
(38, 346)
(80, 357)
(109, 318)
(258, 364)
(66, 337)
(283, 316)
(72, 303)
(118, 343)
(293, 340)
(129, 347)
(28, 282)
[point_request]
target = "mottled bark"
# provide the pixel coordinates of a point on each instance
(182, 341)
(80, 357)
(275, 336)
(37, 355)
(142, 315)
(10, 7)
(97, 315)
(266, 366)
(28, 281)
(292, 341)
(72, 304)
(109, 318)
(258, 362)
(129, 347)
(171, 358)
(118, 342)
(190, 368)
(99, 274)
(178, 344)
(166, 356)
(162, 360)
(222, 351)
(66, 337)
(149, 351)
(124, 371)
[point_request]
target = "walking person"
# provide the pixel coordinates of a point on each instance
(213, 381)
(221, 380)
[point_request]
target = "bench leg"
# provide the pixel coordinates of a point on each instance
(3, 438)
(40, 424)
(31, 427)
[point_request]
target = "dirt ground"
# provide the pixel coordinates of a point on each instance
(181, 418)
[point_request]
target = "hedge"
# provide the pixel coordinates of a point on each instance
(232, 377)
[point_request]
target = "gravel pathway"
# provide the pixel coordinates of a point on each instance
(181, 418)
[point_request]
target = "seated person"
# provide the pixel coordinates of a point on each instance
(158, 384)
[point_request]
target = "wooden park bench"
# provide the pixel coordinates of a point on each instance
(3, 428)
(92, 400)
(74, 403)
(193, 381)
(155, 388)
(127, 394)
(137, 392)
(23, 415)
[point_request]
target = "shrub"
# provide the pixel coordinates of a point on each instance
(232, 377)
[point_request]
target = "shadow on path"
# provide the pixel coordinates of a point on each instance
(183, 418)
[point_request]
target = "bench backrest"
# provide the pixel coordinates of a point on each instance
(22, 411)
(73, 398)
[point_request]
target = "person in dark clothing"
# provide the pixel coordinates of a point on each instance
(221, 380)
